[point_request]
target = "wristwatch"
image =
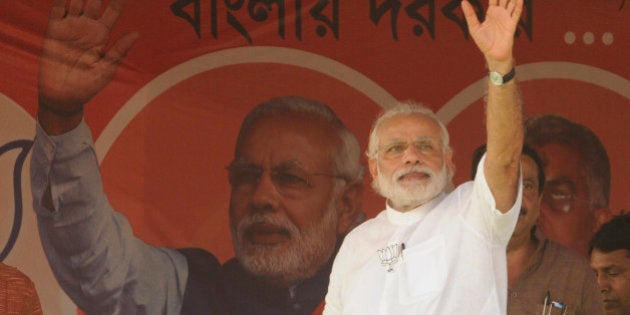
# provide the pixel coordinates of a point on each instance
(499, 79)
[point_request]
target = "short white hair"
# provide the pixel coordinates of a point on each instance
(404, 108)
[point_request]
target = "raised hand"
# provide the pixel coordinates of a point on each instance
(75, 62)
(495, 36)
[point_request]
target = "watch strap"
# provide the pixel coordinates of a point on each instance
(509, 76)
(500, 79)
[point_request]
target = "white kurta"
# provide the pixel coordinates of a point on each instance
(453, 261)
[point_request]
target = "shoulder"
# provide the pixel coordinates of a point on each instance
(203, 293)
(197, 255)
(9, 274)
(462, 196)
(201, 264)
(464, 190)
(368, 227)
(18, 287)
(363, 238)
(562, 253)
(554, 253)
(580, 285)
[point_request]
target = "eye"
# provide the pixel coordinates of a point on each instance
(426, 145)
(612, 273)
(396, 148)
(289, 179)
(528, 185)
(244, 175)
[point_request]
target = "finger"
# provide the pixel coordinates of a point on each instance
(75, 8)
(503, 3)
(92, 8)
(518, 9)
(112, 12)
(510, 8)
(493, 2)
(469, 14)
(58, 10)
(121, 47)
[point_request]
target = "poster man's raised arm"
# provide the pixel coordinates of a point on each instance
(91, 248)
(495, 39)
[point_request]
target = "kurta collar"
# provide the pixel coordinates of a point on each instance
(412, 216)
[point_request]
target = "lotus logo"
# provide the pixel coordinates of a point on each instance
(390, 255)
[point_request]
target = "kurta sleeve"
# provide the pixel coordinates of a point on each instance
(91, 248)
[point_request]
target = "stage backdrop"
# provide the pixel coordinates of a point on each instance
(165, 127)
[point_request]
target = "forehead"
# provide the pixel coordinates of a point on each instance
(563, 164)
(530, 169)
(620, 257)
(559, 158)
(408, 127)
(272, 140)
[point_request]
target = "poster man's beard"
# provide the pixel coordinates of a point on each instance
(297, 259)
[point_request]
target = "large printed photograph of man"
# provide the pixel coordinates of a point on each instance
(296, 186)
(577, 192)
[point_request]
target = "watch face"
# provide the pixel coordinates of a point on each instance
(496, 78)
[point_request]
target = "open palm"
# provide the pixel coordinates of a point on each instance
(75, 64)
(495, 36)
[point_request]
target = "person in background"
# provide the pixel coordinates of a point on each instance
(17, 292)
(296, 184)
(610, 259)
(432, 251)
(543, 275)
(576, 195)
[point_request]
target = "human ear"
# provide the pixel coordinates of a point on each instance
(349, 205)
(450, 165)
(373, 166)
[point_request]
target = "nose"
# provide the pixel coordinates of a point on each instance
(602, 281)
(412, 155)
(264, 196)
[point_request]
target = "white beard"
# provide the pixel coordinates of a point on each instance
(415, 192)
(306, 252)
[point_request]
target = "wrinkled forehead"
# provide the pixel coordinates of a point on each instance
(288, 138)
(409, 127)
(561, 162)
